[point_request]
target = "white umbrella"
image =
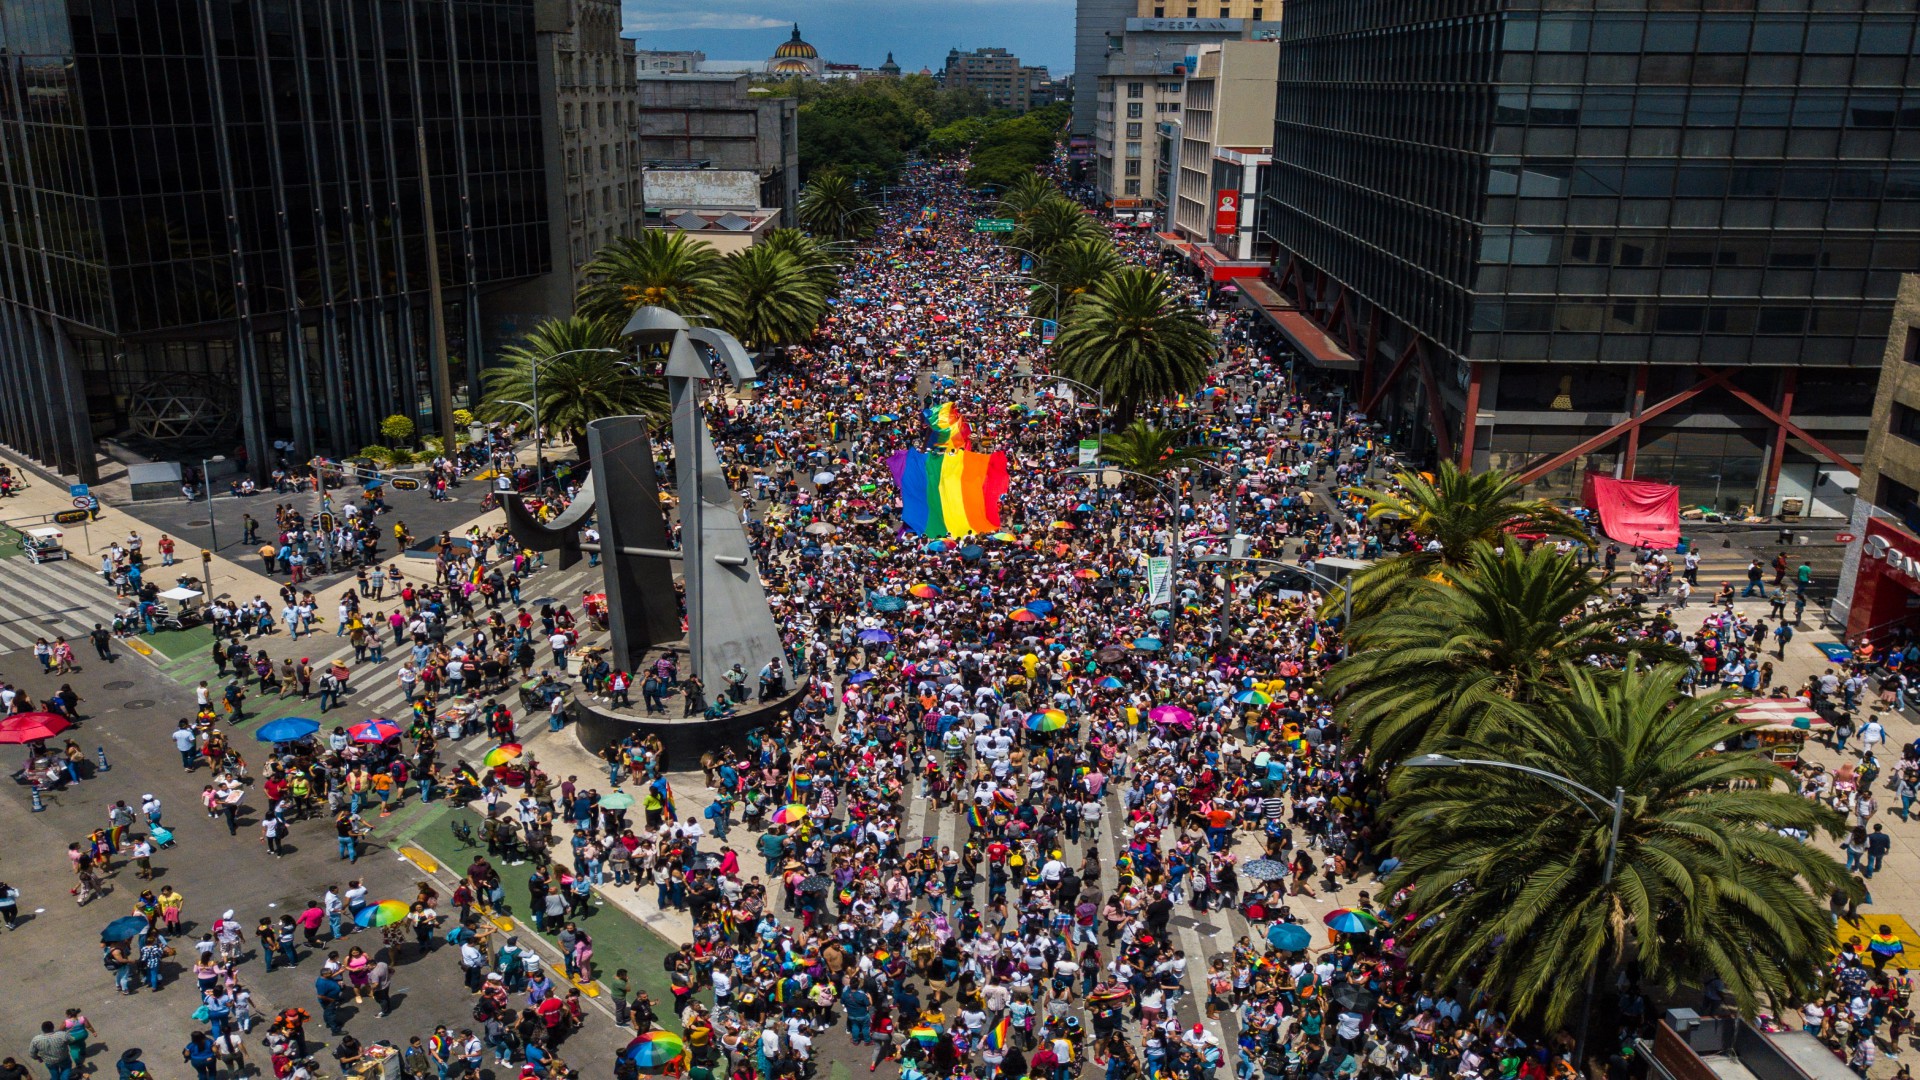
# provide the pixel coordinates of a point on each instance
(822, 528)
(896, 307)
(823, 478)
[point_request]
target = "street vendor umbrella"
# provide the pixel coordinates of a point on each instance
(124, 927)
(1171, 716)
(1350, 920)
(1289, 937)
(384, 913)
(286, 729)
(616, 800)
(1146, 644)
(29, 727)
(656, 1051)
(790, 813)
(377, 730)
(925, 591)
(1263, 869)
(875, 637)
(1253, 697)
(501, 754)
(1049, 720)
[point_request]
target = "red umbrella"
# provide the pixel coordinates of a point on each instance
(32, 727)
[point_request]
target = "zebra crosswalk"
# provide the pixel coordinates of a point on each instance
(45, 600)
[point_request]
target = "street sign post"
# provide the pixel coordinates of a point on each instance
(78, 491)
(405, 483)
(993, 225)
(80, 502)
(69, 517)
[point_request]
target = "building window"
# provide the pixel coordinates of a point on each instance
(1133, 187)
(1226, 13)
(1258, 14)
(1133, 167)
(1135, 89)
(1159, 13)
(1133, 149)
(1193, 13)
(1136, 110)
(1905, 422)
(1133, 131)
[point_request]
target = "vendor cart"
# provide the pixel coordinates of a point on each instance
(43, 545)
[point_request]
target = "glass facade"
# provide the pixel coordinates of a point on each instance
(231, 189)
(1660, 182)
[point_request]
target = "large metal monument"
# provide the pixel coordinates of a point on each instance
(728, 620)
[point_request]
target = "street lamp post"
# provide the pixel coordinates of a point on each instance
(533, 366)
(1175, 544)
(1099, 398)
(1029, 278)
(206, 481)
(1573, 789)
(1226, 599)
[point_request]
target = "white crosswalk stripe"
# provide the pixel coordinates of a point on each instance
(54, 598)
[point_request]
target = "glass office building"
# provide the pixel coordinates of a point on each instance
(1661, 239)
(212, 231)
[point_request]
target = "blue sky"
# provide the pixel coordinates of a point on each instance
(860, 31)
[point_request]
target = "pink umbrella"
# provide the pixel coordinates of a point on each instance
(1171, 716)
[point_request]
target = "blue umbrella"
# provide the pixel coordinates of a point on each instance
(124, 927)
(1111, 683)
(889, 603)
(286, 729)
(1289, 937)
(1146, 644)
(1040, 607)
(859, 677)
(875, 637)
(936, 546)
(972, 551)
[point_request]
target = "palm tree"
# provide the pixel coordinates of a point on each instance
(1506, 878)
(1053, 222)
(1025, 194)
(572, 390)
(768, 299)
(659, 268)
(1073, 268)
(830, 206)
(1135, 339)
(1467, 658)
(1142, 449)
(1454, 510)
(820, 261)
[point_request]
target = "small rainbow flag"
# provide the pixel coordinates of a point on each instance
(976, 816)
(950, 431)
(952, 494)
(1000, 1035)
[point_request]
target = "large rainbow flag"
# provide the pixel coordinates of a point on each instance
(950, 494)
(950, 431)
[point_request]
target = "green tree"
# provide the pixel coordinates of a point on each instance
(659, 268)
(1153, 451)
(1457, 509)
(1025, 194)
(1055, 222)
(832, 208)
(1074, 268)
(768, 298)
(1467, 658)
(572, 390)
(1506, 877)
(820, 262)
(1135, 339)
(397, 429)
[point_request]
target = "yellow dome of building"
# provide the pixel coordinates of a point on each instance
(790, 66)
(795, 48)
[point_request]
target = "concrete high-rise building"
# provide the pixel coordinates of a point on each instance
(998, 76)
(720, 122)
(1226, 142)
(593, 134)
(1100, 29)
(1646, 240)
(214, 223)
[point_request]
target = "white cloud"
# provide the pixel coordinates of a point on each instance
(698, 20)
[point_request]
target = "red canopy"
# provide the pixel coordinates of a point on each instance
(32, 727)
(1635, 511)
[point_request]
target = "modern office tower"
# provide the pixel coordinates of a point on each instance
(214, 232)
(1661, 239)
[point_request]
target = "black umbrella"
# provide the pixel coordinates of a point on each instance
(820, 884)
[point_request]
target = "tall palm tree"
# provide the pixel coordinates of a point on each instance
(767, 298)
(572, 390)
(1506, 877)
(821, 262)
(1153, 451)
(1467, 658)
(1025, 194)
(1073, 268)
(1053, 222)
(659, 268)
(1452, 512)
(1135, 339)
(831, 207)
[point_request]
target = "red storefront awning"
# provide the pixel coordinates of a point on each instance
(1295, 326)
(1219, 269)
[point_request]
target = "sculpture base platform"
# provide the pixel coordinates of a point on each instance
(598, 726)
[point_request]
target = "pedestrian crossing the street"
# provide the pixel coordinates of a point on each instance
(45, 600)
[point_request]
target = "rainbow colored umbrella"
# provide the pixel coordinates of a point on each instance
(1253, 697)
(1110, 683)
(924, 1035)
(1050, 720)
(789, 814)
(1086, 573)
(384, 913)
(1000, 1035)
(1023, 615)
(377, 730)
(925, 590)
(502, 754)
(1350, 920)
(656, 1051)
